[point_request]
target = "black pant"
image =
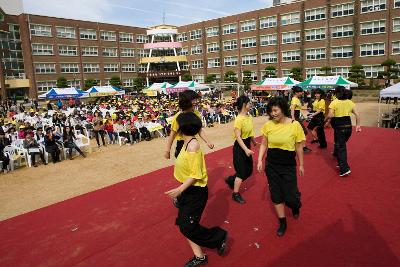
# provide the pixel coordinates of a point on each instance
(54, 151)
(242, 163)
(282, 181)
(33, 157)
(342, 135)
(179, 146)
(71, 146)
(318, 122)
(145, 133)
(5, 160)
(96, 134)
(191, 206)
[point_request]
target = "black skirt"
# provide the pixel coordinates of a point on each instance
(242, 163)
(316, 121)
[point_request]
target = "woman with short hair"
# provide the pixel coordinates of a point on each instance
(316, 124)
(69, 142)
(190, 170)
(283, 140)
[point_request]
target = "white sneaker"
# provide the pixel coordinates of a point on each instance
(345, 173)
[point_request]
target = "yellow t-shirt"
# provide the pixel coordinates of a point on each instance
(175, 126)
(342, 108)
(319, 105)
(296, 102)
(245, 125)
(191, 165)
(283, 135)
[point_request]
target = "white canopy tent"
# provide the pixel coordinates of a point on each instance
(391, 91)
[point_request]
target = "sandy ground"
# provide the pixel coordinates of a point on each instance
(28, 189)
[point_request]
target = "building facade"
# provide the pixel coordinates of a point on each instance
(306, 34)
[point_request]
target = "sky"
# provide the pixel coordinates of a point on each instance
(143, 13)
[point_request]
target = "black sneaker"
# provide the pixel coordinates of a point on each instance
(306, 149)
(296, 213)
(346, 173)
(229, 183)
(282, 227)
(195, 261)
(238, 198)
(222, 248)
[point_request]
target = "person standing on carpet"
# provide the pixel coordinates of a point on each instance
(340, 111)
(188, 100)
(190, 170)
(242, 154)
(283, 139)
(295, 110)
(316, 124)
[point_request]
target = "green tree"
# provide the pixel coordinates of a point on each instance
(270, 72)
(390, 72)
(357, 74)
(246, 79)
(327, 71)
(210, 78)
(62, 82)
(138, 84)
(90, 83)
(297, 74)
(115, 81)
(187, 77)
(230, 77)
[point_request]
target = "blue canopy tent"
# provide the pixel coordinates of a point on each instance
(63, 93)
(109, 90)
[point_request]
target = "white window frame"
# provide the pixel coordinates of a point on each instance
(248, 25)
(42, 49)
(316, 53)
(396, 47)
(69, 67)
(90, 51)
(93, 67)
(335, 71)
(310, 72)
(373, 27)
(231, 46)
(249, 60)
(142, 38)
(290, 18)
(295, 55)
(45, 68)
(128, 67)
(109, 52)
(40, 30)
(111, 67)
(65, 32)
(231, 61)
(372, 69)
(315, 34)
(268, 22)
(212, 47)
(197, 64)
(229, 28)
(212, 31)
(269, 39)
(342, 10)
(368, 48)
(182, 37)
(342, 31)
(67, 48)
(248, 42)
(196, 49)
(291, 37)
(196, 34)
(109, 36)
(213, 63)
(87, 34)
(396, 24)
(368, 6)
(127, 52)
(396, 4)
(45, 84)
(315, 14)
(125, 37)
(184, 51)
(268, 58)
(342, 50)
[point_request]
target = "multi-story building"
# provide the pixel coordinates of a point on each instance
(307, 34)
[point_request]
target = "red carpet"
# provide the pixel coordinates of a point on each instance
(352, 221)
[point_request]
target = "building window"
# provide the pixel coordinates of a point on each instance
(141, 39)
(230, 61)
(182, 37)
(91, 67)
(373, 27)
(143, 53)
(230, 28)
(197, 64)
(213, 31)
(44, 68)
(74, 83)
(342, 31)
(372, 71)
(197, 49)
(127, 52)
(342, 10)
(253, 76)
(111, 67)
(110, 52)
(248, 42)
(230, 45)
(376, 49)
(249, 60)
(396, 3)
(142, 68)
(396, 24)
(67, 50)
(90, 51)
(315, 34)
(42, 49)
(315, 14)
(198, 78)
(316, 54)
(184, 65)
(195, 34)
(290, 18)
(269, 58)
(126, 37)
(88, 34)
(40, 30)
(184, 51)
(127, 82)
(69, 68)
(288, 56)
(372, 5)
(214, 63)
(268, 22)
(66, 32)
(396, 47)
(128, 67)
(45, 86)
(342, 71)
(213, 47)
(108, 36)
(310, 72)
(270, 39)
(290, 37)
(342, 52)
(247, 26)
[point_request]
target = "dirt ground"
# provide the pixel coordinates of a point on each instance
(28, 189)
